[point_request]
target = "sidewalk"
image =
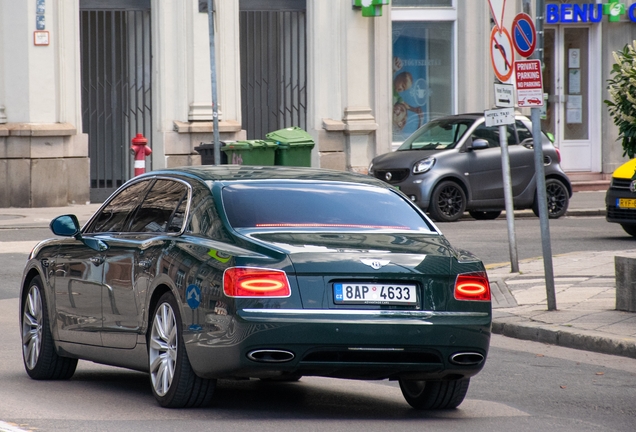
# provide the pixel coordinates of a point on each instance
(585, 318)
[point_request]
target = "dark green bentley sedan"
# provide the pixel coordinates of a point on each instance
(204, 273)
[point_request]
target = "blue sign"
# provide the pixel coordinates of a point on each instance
(565, 13)
(193, 296)
(524, 36)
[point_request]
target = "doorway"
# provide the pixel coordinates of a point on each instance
(571, 106)
(273, 65)
(116, 69)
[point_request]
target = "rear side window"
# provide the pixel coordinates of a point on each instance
(163, 209)
(319, 205)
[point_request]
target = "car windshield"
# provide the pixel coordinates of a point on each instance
(440, 134)
(319, 205)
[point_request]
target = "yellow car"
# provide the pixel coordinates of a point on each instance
(620, 199)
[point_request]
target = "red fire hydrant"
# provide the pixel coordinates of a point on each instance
(140, 148)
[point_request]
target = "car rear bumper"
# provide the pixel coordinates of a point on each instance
(345, 344)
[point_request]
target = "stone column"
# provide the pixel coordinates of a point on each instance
(43, 156)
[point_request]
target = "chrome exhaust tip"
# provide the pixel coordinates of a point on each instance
(467, 358)
(270, 356)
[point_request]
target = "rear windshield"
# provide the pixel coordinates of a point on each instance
(319, 205)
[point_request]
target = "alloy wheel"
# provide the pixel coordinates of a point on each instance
(32, 327)
(162, 349)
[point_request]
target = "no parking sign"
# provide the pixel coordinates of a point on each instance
(524, 35)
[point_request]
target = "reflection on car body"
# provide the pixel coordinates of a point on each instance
(204, 273)
(453, 164)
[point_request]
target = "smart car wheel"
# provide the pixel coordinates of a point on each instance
(448, 202)
(173, 382)
(558, 199)
(484, 215)
(38, 350)
(429, 395)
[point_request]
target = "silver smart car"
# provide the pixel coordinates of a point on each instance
(453, 164)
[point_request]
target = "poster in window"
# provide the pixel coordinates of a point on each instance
(410, 84)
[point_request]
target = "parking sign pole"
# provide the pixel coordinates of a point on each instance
(507, 183)
(540, 174)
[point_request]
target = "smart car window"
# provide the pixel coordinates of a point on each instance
(319, 205)
(114, 216)
(160, 206)
(523, 132)
(490, 134)
(439, 134)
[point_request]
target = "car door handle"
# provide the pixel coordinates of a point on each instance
(97, 260)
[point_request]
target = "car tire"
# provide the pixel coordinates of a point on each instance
(41, 361)
(484, 215)
(448, 202)
(434, 395)
(173, 382)
(558, 199)
(629, 229)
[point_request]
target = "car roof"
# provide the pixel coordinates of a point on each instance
(246, 172)
(473, 116)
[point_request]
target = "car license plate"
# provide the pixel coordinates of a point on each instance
(372, 293)
(626, 203)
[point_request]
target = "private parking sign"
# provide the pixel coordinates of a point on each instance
(529, 79)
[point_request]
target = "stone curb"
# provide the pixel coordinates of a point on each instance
(556, 335)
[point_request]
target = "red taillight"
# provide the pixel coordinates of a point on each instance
(558, 154)
(472, 286)
(255, 282)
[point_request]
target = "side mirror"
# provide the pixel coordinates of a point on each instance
(65, 226)
(68, 226)
(479, 144)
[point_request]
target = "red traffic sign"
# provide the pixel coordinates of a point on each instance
(524, 35)
(502, 55)
(529, 79)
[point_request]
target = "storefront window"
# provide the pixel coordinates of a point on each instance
(422, 3)
(422, 74)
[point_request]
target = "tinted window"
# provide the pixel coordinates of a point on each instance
(491, 133)
(438, 134)
(163, 209)
(522, 131)
(116, 214)
(319, 205)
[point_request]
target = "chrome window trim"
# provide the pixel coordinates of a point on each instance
(132, 182)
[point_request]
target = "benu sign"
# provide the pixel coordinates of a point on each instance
(564, 13)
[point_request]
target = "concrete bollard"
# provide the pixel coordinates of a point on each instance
(625, 269)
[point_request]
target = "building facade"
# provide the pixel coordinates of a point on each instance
(80, 78)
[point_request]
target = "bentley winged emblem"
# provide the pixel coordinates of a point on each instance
(375, 264)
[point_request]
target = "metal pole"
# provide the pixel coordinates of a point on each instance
(540, 174)
(215, 110)
(507, 183)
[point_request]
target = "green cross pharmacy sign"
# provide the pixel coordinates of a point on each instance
(370, 8)
(614, 9)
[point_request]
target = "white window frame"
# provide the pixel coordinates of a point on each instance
(431, 14)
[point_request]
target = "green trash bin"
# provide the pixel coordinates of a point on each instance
(293, 146)
(250, 152)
